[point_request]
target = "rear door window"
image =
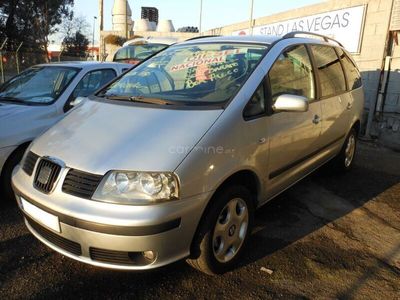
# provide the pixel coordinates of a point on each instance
(292, 74)
(352, 74)
(330, 72)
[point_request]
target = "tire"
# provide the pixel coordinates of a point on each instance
(223, 232)
(344, 161)
(6, 191)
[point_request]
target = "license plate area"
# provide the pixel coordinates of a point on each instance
(41, 216)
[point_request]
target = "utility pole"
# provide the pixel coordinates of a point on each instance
(126, 20)
(94, 29)
(101, 14)
(201, 15)
(251, 17)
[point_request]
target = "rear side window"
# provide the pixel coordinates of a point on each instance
(330, 72)
(292, 74)
(352, 73)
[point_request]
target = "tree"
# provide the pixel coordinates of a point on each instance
(72, 24)
(31, 22)
(76, 45)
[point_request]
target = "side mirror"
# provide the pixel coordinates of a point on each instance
(76, 101)
(290, 103)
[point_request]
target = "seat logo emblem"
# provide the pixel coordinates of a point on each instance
(44, 175)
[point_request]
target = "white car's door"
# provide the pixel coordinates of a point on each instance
(90, 82)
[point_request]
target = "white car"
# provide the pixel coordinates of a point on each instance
(37, 98)
(136, 50)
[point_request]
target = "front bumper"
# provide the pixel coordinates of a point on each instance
(101, 234)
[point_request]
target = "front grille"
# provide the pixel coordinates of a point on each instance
(30, 162)
(46, 175)
(55, 239)
(81, 184)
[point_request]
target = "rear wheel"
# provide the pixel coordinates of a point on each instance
(223, 231)
(345, 159)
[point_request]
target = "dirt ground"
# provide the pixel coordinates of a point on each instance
(326, 237)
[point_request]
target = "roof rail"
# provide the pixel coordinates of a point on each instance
(324, 37)
(201, 37)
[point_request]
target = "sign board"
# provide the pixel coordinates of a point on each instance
(395, 21)
(345, 25)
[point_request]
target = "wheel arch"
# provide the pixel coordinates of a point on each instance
(21, 147)
(357, 126)
(247, 178)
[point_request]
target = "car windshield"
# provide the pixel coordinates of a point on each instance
(198, 74)
(137, 52)
(38, 85)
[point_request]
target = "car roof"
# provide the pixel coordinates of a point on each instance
(257, 39)
(152, 40)
(252, 39)
(86, 64)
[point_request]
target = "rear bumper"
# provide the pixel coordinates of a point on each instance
(115, 245)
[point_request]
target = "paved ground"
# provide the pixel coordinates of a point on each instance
(326, 237)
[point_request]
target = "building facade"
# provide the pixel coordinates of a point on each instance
(150, 13)
(369, 30)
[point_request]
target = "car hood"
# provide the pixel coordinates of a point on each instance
(16, 120)
(97, 137)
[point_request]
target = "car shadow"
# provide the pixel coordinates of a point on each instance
(311, 204)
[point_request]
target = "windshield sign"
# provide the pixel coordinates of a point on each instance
(190, 74)
(37, 85)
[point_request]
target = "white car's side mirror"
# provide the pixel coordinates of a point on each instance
(290, 103)
(77, 101)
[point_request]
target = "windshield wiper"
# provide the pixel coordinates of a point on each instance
(11, 99)
(141, 99)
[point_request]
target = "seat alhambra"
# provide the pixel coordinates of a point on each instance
(171, 160)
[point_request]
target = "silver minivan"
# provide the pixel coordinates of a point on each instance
(170, 160)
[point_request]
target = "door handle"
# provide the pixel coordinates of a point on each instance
(316, 119)
(349, 105)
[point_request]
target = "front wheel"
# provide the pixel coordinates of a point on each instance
(223, 231)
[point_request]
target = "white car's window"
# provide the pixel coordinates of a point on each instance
(190, 74)
(330, 73)
(92, 81)
(41, 85)
(137, 53)
(292, 74)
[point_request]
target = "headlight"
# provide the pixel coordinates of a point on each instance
(137, 188)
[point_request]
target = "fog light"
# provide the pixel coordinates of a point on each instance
(149, 255)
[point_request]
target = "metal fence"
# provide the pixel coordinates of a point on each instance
(14, 62)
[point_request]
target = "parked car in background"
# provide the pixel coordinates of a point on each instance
(171, 160)
(137, 50)
(39, 97)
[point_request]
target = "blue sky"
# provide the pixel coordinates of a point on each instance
(216, 13)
